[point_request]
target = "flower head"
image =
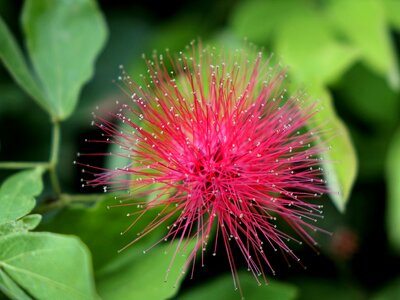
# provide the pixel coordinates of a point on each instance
(215, 141)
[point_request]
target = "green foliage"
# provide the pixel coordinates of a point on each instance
(249, 18)
(322, 64)
(216, 289)
(17, 195)
(321, 41)
(88, 222)
(368, 96)
(340, 161)
(312, 289)
(143, 276)
(63, 40)
(181, 29)
(306, 42)
(365, 27)
(10, 288)
(24, 224)
(389, 292)
(47, 266)
(392, 7)
(342, 52)
(393, 179)
(14, 61)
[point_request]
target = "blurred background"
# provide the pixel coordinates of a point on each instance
(349, 49)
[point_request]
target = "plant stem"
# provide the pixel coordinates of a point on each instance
(67, 199)
(54, 154)
(23, 165)
(51, 166)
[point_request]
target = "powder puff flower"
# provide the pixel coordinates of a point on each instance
(214, 141)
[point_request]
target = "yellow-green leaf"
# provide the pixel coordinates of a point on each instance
(311, 51)
(364, 25)
(340, 161)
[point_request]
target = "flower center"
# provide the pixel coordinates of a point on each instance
(211, 172)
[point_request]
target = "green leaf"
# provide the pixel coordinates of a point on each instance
(359, 90)
(393, 186)
(222, 289)
(17, 194)
(307, 45)
(340, 162)
(30, 222)
(14, 61)
(176, 33)
(304, 39)
(88, 222)
(365, 27)
(389, 292)
(116, 161)
(392, 8)
(24, 224)
(316, 289)
(48, 266)
(259, 20)
(225, 40)
(142, 276)
(11, 289)
(63, 39)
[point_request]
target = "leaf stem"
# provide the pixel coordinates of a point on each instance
(54, 155)
(13, 165)
(51, 166)
(67, 199)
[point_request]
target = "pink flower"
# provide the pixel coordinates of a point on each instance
(215, 142)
